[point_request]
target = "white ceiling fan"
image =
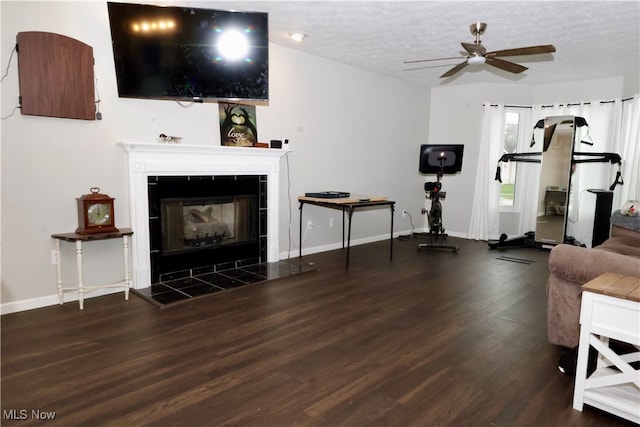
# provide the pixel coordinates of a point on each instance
(477, 54)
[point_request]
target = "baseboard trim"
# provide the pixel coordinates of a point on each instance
(338, 245)
(49, 300)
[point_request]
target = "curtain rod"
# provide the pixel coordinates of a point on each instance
(568, 104)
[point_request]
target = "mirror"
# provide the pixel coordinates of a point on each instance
(555, 179)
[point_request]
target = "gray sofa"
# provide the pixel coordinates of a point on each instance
(572, 266)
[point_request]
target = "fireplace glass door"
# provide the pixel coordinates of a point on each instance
(193, 223)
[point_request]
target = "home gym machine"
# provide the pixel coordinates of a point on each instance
(438, 159)
(553, 127)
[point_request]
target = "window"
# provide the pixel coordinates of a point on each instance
(509, 170)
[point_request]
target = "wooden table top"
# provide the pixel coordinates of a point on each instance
(74, 237)
(345, 200)
(615, 285)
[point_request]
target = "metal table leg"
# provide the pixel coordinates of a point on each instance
(350, 214)
(300, 231)
(391, 235)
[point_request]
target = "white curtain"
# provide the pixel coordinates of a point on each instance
(527, 178)
(604, 120)
(485, 211)
(630, 151)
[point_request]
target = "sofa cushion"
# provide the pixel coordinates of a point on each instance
(624, 245)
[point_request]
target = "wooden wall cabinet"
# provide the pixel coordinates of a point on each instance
(56, 76)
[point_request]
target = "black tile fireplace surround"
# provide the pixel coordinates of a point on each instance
(233, 234)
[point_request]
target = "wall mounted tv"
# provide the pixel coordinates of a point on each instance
(185, 53)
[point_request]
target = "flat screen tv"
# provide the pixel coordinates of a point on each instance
(445, 159)
(185, 53)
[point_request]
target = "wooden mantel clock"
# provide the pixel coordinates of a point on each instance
(96, 213)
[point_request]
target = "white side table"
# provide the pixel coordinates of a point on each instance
(610, 309)
(78, 239)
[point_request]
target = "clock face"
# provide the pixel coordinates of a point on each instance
(99, 214)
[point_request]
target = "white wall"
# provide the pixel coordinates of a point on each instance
(456, 118)
(349, 130)
(581, 91)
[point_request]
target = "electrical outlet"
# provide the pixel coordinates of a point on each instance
(404, 213)
(54, 257)
(331, 222)
(310, 225)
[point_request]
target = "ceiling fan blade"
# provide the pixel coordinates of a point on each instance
(474, 48)
(454, 70)
(511, 67)
(531, 50)
(434, 59)
(426, 67)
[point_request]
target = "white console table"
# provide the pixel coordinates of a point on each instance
(610, 309)
(78, 239)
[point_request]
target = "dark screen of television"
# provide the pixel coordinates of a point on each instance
(433, 157)
(184, 64)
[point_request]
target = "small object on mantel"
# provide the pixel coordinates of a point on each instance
(261, 145)
(162, 138)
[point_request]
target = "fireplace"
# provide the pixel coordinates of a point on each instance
(240, 186)
(206, 223)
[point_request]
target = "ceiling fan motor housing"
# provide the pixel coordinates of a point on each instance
(478, 28)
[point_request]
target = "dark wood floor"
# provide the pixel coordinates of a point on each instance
(432, 338)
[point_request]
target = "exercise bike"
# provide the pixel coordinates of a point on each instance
(434, 215)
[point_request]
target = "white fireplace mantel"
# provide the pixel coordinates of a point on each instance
(157, 159)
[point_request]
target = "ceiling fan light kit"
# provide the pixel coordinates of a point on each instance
(473, 60)
(477, 54)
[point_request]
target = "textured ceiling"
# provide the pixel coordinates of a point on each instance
(593, 39)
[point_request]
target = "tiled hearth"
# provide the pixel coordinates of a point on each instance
(178, 290)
